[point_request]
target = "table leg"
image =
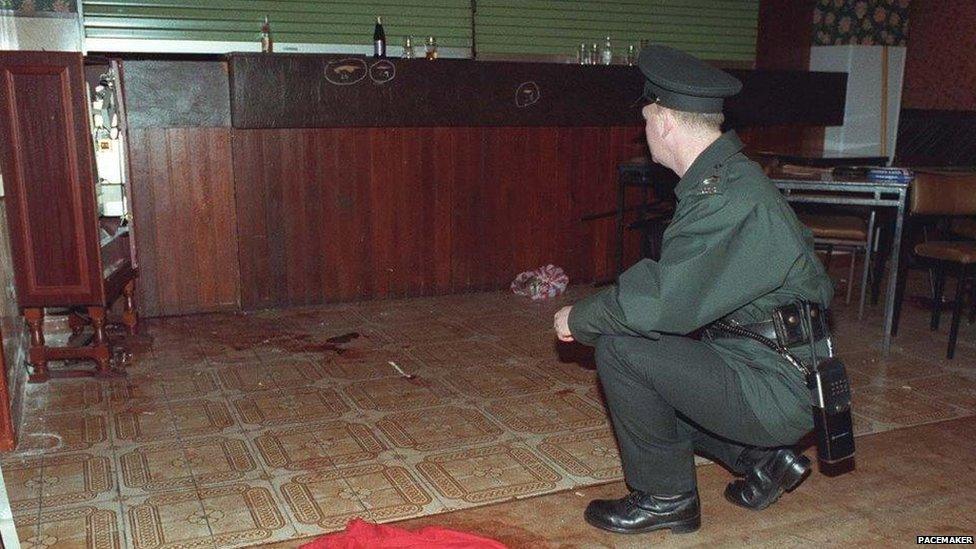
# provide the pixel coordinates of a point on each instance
(867, 261)
(99, 344)
(893, 277)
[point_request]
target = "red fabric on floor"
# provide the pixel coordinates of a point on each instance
(360, 534)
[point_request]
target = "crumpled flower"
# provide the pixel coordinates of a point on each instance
(542, 283)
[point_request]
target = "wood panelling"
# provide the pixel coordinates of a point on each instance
(337, 214)
(928, 137)
(47, 165)
(182, 182)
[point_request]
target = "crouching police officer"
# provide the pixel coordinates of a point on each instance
(735, 253)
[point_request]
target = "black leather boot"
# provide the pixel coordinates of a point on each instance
(639, 512)
(770, 475)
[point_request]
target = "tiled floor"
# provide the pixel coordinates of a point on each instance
(233, 430)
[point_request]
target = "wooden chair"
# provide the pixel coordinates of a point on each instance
(947, 195)
(845, 232)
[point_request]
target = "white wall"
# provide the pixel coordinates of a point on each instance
(61, 32)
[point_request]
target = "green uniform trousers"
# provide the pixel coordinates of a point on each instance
(673, 396)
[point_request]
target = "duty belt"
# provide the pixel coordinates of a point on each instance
(787, 326)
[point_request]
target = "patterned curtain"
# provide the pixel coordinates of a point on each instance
(863, 22)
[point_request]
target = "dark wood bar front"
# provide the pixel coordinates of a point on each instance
(451, 176)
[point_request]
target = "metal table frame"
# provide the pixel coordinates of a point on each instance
(849, 192)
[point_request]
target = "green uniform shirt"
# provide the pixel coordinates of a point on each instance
(733, 249)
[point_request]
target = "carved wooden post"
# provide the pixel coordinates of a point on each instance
(129, 316)
(100, 341)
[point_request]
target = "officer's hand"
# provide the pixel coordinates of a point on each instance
(561, 323)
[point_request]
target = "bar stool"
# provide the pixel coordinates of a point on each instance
(653, 213)
(947, 195)
(846, 232)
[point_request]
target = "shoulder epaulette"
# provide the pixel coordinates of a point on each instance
(710, 185)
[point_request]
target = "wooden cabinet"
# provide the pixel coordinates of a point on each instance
(63, 256)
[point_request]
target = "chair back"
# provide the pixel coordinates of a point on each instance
(943, 193)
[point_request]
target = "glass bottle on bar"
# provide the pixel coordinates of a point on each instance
(631, 54)
(379, 39)
(267, 45)
(431, 48)
(582, 55)
(408, 47)
(594, 54)
(606, 56)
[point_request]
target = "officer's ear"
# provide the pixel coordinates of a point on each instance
(667, 121)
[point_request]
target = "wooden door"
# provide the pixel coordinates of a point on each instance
(46, 161)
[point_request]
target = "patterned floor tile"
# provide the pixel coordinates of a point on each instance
(321, 501)
(23, 481)
(438, 428)
(279, 407)
(229, 355)
(219, 459)
(953, 389)
(463, 354)
(368, 364)
(156, 467)
(134, 390)
(244, 514)
(187, 384)
(262, 376)
(70, 432)
(427, 331)
(136, 423)
(569, 372)
(95, 527)
(68, 395)
(74, 479)
(387, 493)
(397, 393)
(169, 519)
(180, 419)
(895, 368)
(898, 406)
(493, 473)
(590, 454)
(562, 410)
(500, 380)
(317, 445)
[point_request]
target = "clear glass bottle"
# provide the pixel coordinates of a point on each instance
(431, 48)
(606, 56)
(267, 44)
(594, 54)
(631, 54)
(582, 55)
(408, 47)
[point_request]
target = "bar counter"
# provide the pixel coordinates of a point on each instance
(287, 179)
